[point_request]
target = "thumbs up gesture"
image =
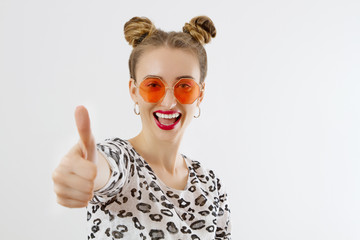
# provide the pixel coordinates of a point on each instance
(74, 178)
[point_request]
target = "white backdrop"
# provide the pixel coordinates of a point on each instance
(279, 124)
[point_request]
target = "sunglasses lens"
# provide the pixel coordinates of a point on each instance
(152, 90)
(186, 91)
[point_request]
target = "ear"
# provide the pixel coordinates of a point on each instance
(202, 93)
(132, 90)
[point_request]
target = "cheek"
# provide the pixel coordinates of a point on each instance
(190, 111)
(144, 107)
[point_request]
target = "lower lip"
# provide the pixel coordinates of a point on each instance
(166, 127)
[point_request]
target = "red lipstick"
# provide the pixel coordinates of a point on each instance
(163, 126)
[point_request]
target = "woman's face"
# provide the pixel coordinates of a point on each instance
(167, 119)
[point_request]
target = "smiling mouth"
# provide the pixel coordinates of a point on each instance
(167, 121)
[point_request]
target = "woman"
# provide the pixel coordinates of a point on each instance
(143, 188)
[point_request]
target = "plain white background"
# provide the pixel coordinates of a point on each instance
(279, 124)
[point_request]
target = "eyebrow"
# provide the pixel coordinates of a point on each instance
(180, 77)
(186, 76)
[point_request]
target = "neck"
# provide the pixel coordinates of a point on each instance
(158, 153)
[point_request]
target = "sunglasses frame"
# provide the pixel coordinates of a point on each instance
(168, 87)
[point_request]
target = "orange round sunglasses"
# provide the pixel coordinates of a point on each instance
(185, 90)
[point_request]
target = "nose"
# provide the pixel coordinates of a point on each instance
(169, 100)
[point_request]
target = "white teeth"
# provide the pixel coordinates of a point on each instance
(167, 116)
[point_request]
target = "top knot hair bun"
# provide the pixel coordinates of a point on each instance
(141, 33)
(137, 29)
(201, 28)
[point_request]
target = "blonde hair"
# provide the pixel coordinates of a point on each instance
(141, 33)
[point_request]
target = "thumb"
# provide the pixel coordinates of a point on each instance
(86, 138)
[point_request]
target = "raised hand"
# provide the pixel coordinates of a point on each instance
(74, 178)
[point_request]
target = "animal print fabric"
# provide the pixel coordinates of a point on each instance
(135, 204)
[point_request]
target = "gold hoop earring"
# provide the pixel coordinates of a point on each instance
(199, 112)
(137, 112)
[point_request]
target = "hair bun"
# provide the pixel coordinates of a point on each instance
(201, 28)
(137, 29)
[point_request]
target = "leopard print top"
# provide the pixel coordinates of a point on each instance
(135, 204)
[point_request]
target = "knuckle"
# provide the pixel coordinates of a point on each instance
(56, 176)
(53, 175)
(61, 192)
(70, 203)
(62, 195)
(67, 161)
(57, 190)
(62, 202)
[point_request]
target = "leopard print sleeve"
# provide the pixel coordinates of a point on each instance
(118, 158)
(223, 226)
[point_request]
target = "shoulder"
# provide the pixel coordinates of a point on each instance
(117, 148)
(199, 168)
(116, 143)
(205, 175)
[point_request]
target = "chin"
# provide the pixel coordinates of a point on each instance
(168, 129)
(173, 135)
